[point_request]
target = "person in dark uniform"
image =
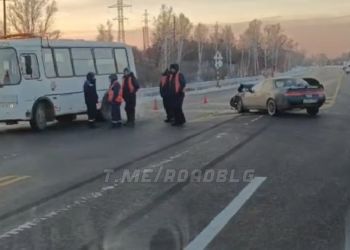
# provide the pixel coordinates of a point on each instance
(115, 98)
(130, 87)
(177, 86)
(165, 94)
(91, 98)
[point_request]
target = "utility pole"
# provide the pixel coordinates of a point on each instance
(120, 18)
(146, 31)
(174, 39)
(5, 18)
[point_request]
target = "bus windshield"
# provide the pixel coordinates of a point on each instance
(9, 70)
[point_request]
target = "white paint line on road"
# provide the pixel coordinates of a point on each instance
(8, 156)
(220, 221)
(257, 119)
(80, 201)
(89, 197)
(36, 221)
(221, 135)
(347, 231)
(168, 160)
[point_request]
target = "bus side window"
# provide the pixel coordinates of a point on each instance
(30, 66)
(83, 61)
(104, 61)
(121, 59)
(49, 65)
(63, 62)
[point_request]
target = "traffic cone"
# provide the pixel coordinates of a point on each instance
(205, 100)
(155, 105)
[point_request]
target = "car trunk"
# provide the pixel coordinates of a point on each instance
(309, 95)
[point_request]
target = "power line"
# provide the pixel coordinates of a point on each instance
(146, 31)
(120, 18)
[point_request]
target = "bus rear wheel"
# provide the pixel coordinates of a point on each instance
(39, 119)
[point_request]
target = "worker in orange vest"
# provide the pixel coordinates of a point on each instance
(130, 87)
(177, 89)
(164, 89)
(115, 98)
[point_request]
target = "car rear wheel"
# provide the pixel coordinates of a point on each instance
(272, 107)
(313, 111)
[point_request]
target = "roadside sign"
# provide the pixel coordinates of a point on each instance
(219, 64)
(218, 60)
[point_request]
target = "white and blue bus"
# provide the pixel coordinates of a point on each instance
(42, 80)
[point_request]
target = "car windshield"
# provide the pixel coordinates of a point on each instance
(291, 84)
(9, 70)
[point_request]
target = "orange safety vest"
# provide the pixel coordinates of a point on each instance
(177, 82)
(119, 98)
(130, 85)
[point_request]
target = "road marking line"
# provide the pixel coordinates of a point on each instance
(219, 222)
(257, 119)
(347, 231)
(333, 99)
(209, 116)
(13, 180)
(6, 178)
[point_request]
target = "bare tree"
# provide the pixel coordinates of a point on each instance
(229, 42)
(200, 36)
(105, 33)
(253, 35)
(34, 17)
(290, 49)
(162, 34)
(244, 60)
(183, 32)
(215, 36)
(274, 41)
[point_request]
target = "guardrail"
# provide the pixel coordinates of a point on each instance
(201, 86)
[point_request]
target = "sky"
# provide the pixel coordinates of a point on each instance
(80, 18)
(86, 14)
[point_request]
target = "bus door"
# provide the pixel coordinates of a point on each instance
(32, 86)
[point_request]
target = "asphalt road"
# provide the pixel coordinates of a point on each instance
(287, 184)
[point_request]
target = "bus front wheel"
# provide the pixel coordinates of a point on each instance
(39, 119)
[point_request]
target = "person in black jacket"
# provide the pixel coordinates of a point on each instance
(130, 87)
(177, 91)
(91, 98)
(165, 94)
(115, 98)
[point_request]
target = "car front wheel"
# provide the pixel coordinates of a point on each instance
(272, 107)
(240, 107)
